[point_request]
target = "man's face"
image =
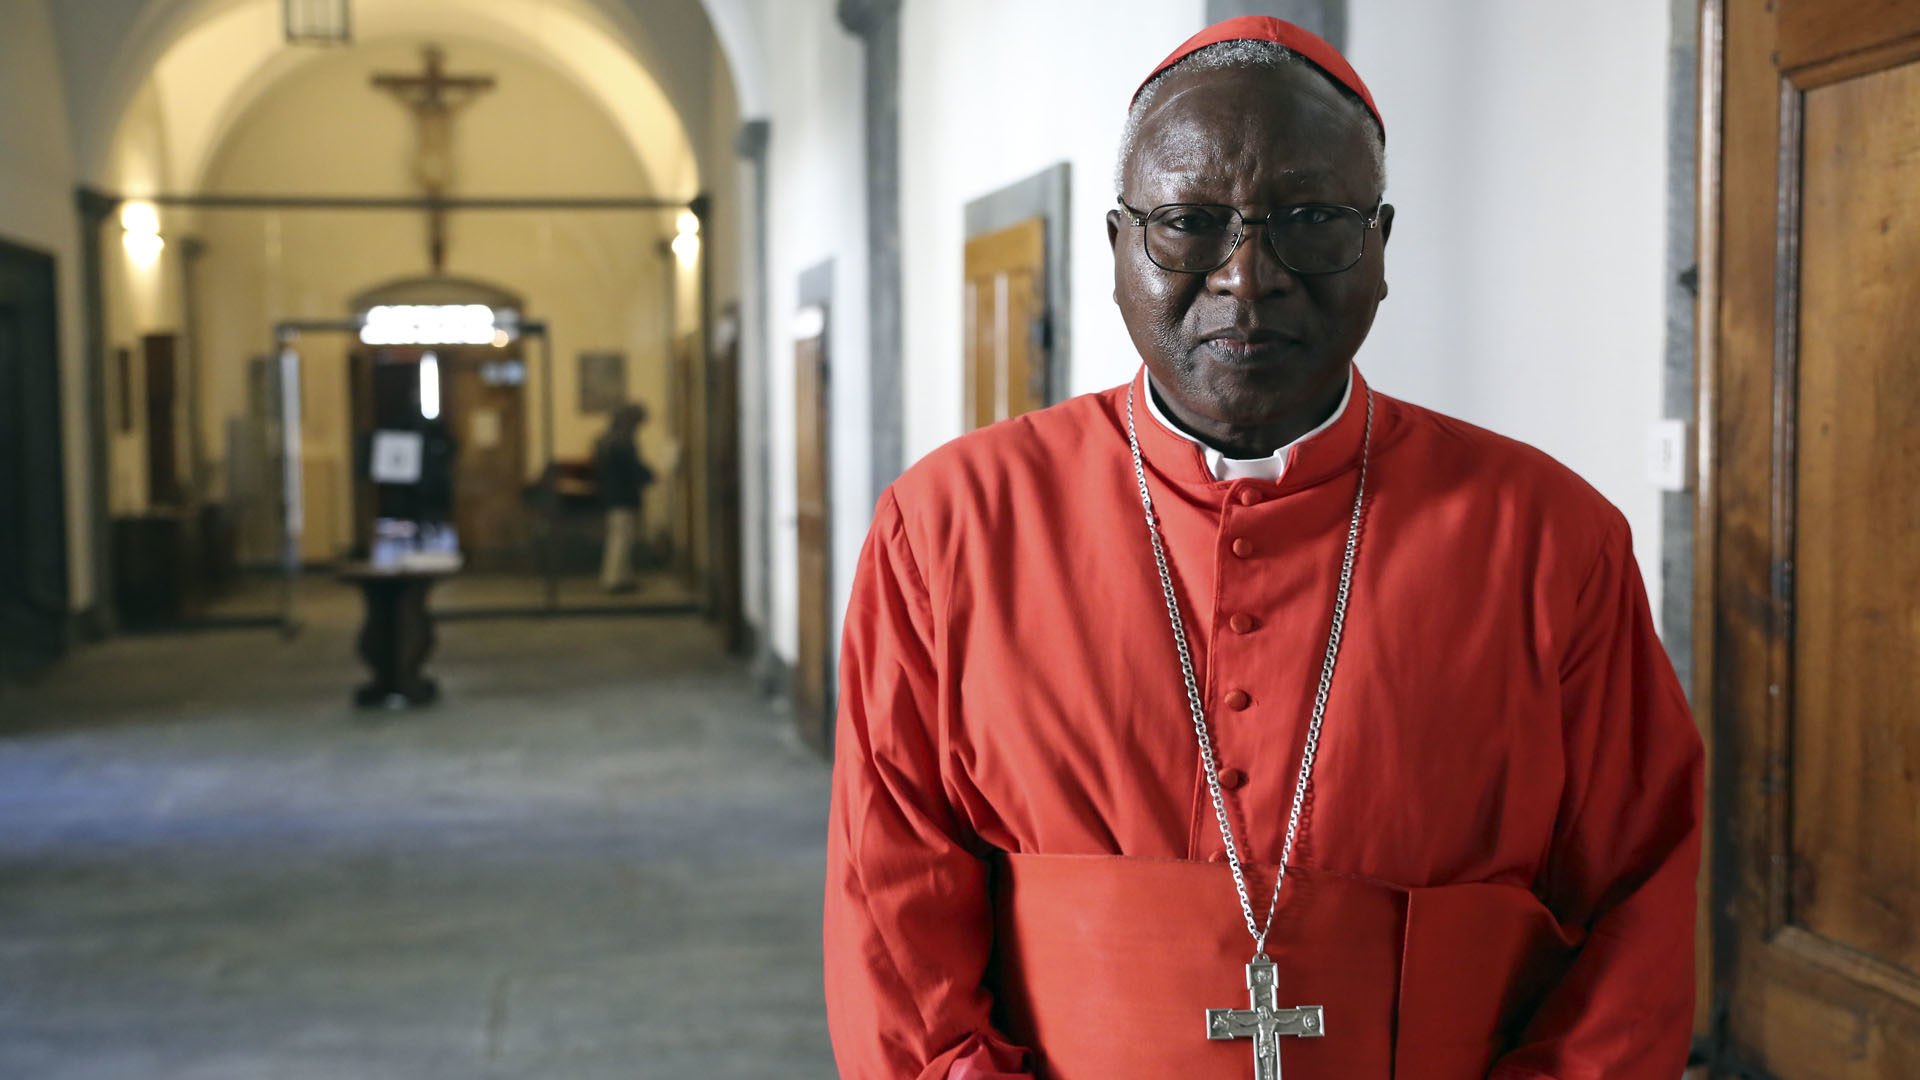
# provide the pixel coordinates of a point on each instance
(1251, 343)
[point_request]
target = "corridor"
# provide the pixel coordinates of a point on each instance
(599, 857)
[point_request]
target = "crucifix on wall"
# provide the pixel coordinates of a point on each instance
(434, 96)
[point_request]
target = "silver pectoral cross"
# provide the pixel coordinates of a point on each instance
(1265, 1022)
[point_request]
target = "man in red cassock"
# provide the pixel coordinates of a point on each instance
(1243, 718)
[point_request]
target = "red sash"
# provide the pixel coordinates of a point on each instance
(1105, 966)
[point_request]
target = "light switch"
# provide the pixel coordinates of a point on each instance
(1667, 456)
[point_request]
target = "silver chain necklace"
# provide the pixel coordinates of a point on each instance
(1258, 931)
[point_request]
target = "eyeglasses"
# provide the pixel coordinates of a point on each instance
(1307, 238)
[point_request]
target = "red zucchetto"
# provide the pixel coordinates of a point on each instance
(1267, 28)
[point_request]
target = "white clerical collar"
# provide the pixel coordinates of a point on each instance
(1272, 467)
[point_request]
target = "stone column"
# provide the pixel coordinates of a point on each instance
(877, 24)
(96, 209)
(192, 250)
(1328, 18)
(751, 144)
(1682, 288)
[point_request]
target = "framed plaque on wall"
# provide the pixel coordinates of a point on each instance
(603, 381)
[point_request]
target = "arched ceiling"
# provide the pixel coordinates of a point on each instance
(210, 58)
(320, 128)
(733, 24)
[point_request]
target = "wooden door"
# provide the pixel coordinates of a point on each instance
(33, 523)
(163, 472)
(1006, 306)
(486, 415)
(723, 484)
(696, 465)
(1810, 538)
(813, 664)
(675, 484)
(383, 394)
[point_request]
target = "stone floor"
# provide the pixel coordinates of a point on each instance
(318, 593)
(599, 857)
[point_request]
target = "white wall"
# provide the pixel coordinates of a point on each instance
(817, 208)
(972, 76)
(37, 211)
(988, 97)
(140, 299)
(1527, 149)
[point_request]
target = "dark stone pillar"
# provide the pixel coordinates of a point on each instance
(192, 250)
(95, 210)
(877, 23)
(751, 144)
(1682, 285)
(1328, 18)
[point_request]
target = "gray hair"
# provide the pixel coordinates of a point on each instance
(1224, 55)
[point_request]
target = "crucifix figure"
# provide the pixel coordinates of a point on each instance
(434, 96)
(1265, 1022)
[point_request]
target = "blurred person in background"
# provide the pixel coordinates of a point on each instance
(624, 478)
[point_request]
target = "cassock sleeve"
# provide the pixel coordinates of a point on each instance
(1626, 846)
(909, 923)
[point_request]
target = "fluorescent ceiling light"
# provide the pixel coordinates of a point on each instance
(430, 386)
(429, 324)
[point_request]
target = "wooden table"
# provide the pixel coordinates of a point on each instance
(396, 635)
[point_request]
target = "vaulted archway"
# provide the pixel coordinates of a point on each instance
(284, 182)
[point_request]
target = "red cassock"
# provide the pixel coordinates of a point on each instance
(1495, 869)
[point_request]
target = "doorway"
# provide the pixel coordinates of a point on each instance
(1006, 322)
(33, 524)
(813, 660)
(1016, 301)
(478, 396)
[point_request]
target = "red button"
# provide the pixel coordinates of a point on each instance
(1238, 699)
(1241, 623)
(1232, 779)
(1248, 496)
(1218, 856)
(1242, 547)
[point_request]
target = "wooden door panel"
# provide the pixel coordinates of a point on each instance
(982, 374)
(488, 423)
(1812, 31)
(1806, 1021)
(1005, 303)
(812, 677)
(1810, 540)
(1018, 352)
(1856, 802)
